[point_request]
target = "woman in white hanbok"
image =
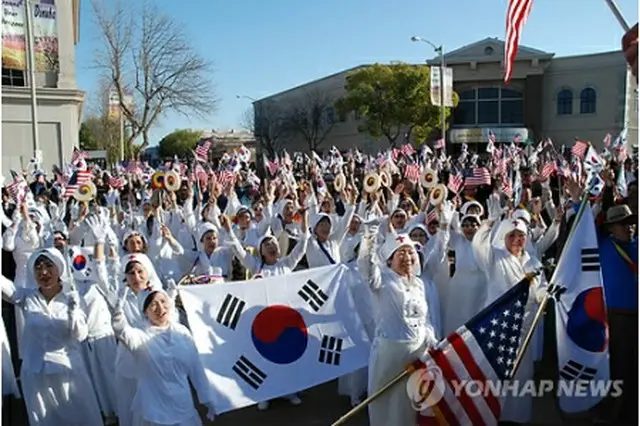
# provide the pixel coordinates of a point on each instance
(56, 385)
(139, 274)
(166, 360)
(403, 333)
(9, 384)
(505, 261)
(468, 286)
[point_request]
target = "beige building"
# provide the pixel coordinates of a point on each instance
(565, 98)
(59, 102)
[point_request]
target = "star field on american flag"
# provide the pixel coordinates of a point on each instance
(499, 333)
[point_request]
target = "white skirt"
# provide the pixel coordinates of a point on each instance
(100, 355)
(354, 385)
(194, 421)
(467, 295)
(125, 393)
(62, 399)
(387, 359)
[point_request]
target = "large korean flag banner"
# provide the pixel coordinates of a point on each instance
(266, 338)
(581, 320)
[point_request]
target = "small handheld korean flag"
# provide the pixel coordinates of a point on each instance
(581, 320)
(266, 338)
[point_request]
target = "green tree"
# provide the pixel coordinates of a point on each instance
(393, 100)
(179, 142)
(103, 133)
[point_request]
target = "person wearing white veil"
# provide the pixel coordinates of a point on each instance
(506, 262)
(212, 254)
(166, 359)
(9, 384)
(139, 274)
(55, 382)
(403, 333)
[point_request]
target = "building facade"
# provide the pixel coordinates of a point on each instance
(59, 102)
(563, 98)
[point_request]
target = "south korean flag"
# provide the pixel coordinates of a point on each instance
(582, 331)
(263, 339)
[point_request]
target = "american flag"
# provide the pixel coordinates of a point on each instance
(79, 178)
(517, 14)
(579, 149)
(407, 150)
(432, 216)
(482, 351)
(226, 177)
(455, 182)
(202, 150)
(412, 172)
(506, 187)
(439, 144)
(134, 167)
(78, 155)
(499, 166)
(18, 188)
(116, 182)
(477, 177)
(200, 174)
(547, 170)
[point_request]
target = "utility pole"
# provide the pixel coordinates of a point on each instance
(31, 68)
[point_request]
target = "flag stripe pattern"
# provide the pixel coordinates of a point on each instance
(517, 14)
(330, 350)
(202, 150)
(590, 259)
(248, 372)
(230, 311)
(477, 177)
(484, 349)
(313, 295)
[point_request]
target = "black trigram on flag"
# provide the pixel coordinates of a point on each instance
(230, 311)
(590, 259)
(248, 372)
(573, 370)
(313, 295)
(330, 350)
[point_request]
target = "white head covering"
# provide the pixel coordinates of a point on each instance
(317, 218)
(421, 227)
(204, 228)
(393, 243)
(523, 215)
(54, 255)
(142, 259)
(144, 294)
(282, 204)
(507, 226)
(470, 216)
(469, 204)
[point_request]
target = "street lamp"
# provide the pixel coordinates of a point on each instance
(246, 97)
(440, 51)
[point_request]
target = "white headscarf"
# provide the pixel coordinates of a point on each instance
(54, 255)
(506, 227)
(142, 259)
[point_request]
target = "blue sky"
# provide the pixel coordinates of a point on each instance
(261, 47)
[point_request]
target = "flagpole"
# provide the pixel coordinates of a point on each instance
(543, 304)
(31, 67)
(616, 12)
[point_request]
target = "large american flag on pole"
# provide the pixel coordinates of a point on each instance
(482, 351)
(517, 14)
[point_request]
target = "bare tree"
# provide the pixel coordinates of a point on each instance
(312, 118)
(267, 123)
(147, 54)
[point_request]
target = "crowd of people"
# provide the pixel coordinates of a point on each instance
(435, 240)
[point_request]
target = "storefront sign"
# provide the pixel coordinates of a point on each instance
(481, 135)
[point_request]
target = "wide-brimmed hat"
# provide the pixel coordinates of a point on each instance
(618, 214)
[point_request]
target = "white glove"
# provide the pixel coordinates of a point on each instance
(172, 288)
(446, 215)
(494, 208)
(74, 300)
(75, 211)
(98, 227)
(211, 411)
(54, 211)
(112, 197)
(5, 220)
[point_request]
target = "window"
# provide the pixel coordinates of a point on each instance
(13, 78)
(588, 101)
(489, 105)
(331, 115)
(565, 102)
(357, 115)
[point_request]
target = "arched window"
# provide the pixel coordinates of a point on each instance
(565, 102)
(588, 101)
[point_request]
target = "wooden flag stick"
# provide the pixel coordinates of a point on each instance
(355, 410)
(616, 12)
